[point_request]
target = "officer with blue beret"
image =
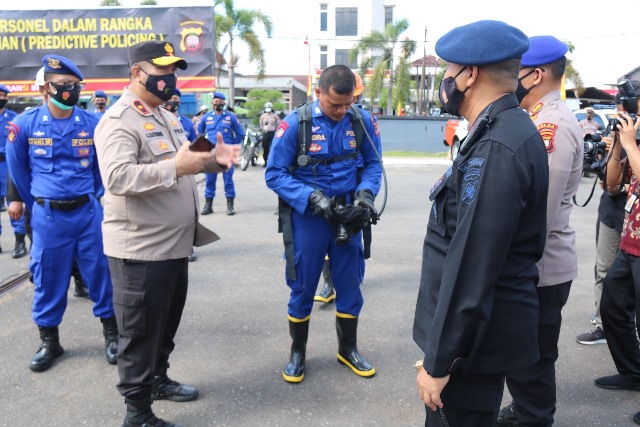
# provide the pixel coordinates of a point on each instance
(6, 115)
(540, 80)
(53, 163)
(484, 233)
(100, 100)
(232, 132)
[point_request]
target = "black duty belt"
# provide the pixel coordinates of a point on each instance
(65, 205)
(3, 157)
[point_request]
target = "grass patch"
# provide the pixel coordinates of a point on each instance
(412, 154)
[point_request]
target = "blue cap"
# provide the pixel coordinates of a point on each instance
(219, 95)
(60, 65)
(4, 89)
(543, 50)
(482, 42)
(177, 92)
(100, 94)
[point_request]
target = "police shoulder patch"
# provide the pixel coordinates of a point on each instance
(282, 129)
(13, 132)
(472, 170)
(548, 132)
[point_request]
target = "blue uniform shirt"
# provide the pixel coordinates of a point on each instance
(50, 162)
(328, 140)
(189, 129)
(225, 123)
(5, 118)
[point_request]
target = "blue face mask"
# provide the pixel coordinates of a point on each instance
(60, 105)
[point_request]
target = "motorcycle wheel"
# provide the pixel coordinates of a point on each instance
(246, 159)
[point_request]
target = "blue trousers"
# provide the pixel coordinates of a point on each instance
(210, 186)
(59, 238)
(4, 176)
(313, 238)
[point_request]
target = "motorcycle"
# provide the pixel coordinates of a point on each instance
(250, 148)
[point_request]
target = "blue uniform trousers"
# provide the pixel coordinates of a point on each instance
(4, 176)
(210, 187)
(58, 238)
(313, 238)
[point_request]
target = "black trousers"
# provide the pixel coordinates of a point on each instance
(470, 401)
(148, 299)
(618, 310)
(267, 138)
(534, 389)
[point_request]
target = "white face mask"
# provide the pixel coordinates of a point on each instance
(267, 110)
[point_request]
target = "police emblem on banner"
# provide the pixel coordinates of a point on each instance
(191, 38)
(472, 170)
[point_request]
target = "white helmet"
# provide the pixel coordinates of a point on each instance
(268, 105)
(40, 77)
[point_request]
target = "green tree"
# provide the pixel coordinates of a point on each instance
(572, 75)
(256, 99)
(149, 3)
(110, 3)
(376, 51)
(237, 24)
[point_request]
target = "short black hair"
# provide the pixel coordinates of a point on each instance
(338, 77)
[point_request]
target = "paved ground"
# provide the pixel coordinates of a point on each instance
(233, 340)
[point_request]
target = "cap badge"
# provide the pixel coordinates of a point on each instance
(53, 63)
(168, 49)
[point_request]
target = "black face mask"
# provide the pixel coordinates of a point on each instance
(101, 105)
(521, 91)
(218, 107)
(450, 96)
(163, 86)
(3, 102)
(172, 106)
(64, 96)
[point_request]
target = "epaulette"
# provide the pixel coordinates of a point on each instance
(116, 110)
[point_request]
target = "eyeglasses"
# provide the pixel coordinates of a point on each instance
(69, 85)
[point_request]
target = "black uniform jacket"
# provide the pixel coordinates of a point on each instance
(477, 309)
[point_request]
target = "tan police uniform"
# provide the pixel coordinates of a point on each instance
(151, 214)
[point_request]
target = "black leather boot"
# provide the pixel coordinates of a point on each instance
(20, 249)
(139, 414)
(3, 204)
(48, 351)
(327, 294)
(230, 210)
(164, 388)
(110, 332)
(299, 331)
(348, 354)
(208, 207)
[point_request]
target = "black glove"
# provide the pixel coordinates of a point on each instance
(321, 205)
(365, 199)
(351, 215)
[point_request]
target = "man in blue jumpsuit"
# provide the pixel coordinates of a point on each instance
(313, 192)
(53, 163)
(232, 131)
(476, 315)
(6, 116)
(100, 99)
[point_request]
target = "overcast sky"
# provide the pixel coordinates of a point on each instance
(603, 51)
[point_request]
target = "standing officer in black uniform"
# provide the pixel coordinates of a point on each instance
(477, 310)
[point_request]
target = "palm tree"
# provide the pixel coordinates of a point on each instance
(369, 48)
(238, 24)
(110, 3)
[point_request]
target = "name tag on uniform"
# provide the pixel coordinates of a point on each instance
(630, 202)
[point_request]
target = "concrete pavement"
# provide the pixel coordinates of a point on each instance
(233, 341)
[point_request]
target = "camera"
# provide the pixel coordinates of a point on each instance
(594, 154)
(629, 103)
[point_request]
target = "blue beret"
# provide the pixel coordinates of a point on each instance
(482, 42)
(100, 94)
(60, 65)
(4, 89)
(219, 95)
(543, 50)
(177, 92)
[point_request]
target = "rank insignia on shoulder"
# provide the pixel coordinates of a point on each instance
(140, 107)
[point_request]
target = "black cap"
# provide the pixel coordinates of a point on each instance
(157, 52)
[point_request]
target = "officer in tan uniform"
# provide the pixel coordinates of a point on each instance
(542, 67)
(150, 224)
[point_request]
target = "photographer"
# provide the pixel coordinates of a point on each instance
(608, 230)
(618, 304)
(589, 125)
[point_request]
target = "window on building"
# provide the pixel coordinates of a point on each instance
(388, 15)
(342, 58)
(323, 57)
(346, 21)
(323, 17)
